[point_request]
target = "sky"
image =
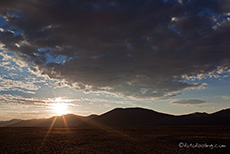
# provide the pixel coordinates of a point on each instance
(171, 56)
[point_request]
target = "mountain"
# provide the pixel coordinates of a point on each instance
(126, 117)
(10, 122)
(218, 118)
(130, 117)
(69, 120)
(225, 112)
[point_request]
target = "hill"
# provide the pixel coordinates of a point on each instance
(69, 120)
(126, 117)
(130, 117)
(10, 122)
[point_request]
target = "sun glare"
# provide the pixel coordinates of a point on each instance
(60, 108)
(59, 100)
(59, 105)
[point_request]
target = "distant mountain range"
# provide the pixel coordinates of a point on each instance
(125, 117)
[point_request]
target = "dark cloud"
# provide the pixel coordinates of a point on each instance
(133, 48)
(188, 102)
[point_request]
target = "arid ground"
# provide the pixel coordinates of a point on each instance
(203, 139)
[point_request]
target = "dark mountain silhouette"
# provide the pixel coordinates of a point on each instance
(224, 112)
(10, 122)
(130, 117)
(69, 120)
(126, 117)
(218, 118)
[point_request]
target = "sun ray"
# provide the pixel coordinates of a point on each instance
(47, 133)
(64, 120)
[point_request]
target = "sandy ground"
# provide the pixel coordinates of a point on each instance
(184, 139)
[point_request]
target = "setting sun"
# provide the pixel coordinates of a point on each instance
(60, 108)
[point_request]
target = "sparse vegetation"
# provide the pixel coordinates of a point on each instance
(113, 140)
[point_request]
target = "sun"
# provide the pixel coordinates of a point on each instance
(60, 108)
(59, 105)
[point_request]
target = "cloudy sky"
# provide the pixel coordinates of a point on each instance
(171, 56)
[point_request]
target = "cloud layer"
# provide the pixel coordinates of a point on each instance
(188, 102)
(139, 49)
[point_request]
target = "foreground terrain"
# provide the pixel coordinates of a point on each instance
(116, 140)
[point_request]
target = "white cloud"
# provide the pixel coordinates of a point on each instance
(188, 102)
(5, 57)
(17, 45)
(6, 65)
(198, 87)
(225, 97)
(9, 85)
(9, 99)
(16, 62)
(204, 75)
(223, 70)
(180, 1)
(100, 100)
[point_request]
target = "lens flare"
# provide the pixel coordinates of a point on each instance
(60, 108)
